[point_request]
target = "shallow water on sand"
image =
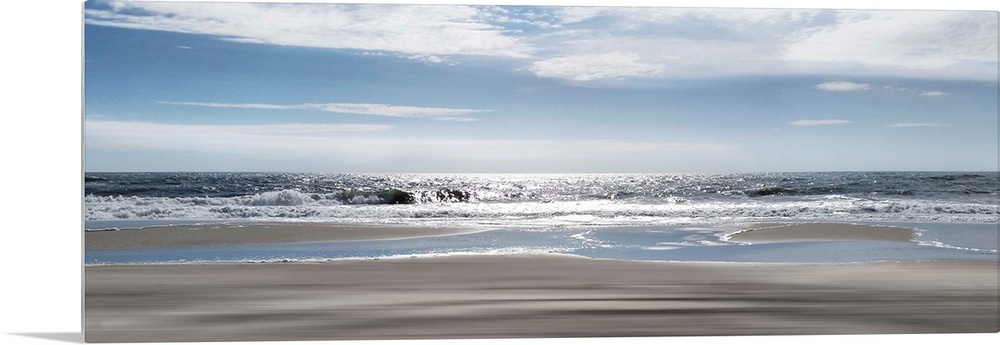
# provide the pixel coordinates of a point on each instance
(657, 243)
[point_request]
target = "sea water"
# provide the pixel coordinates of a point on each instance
(666, 217)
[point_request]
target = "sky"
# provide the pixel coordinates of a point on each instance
(233, 86)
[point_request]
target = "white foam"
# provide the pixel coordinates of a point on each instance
(575, 218)
(286, 197)
(293, 205)
(939, 244)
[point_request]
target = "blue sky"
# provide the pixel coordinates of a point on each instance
(189, 86)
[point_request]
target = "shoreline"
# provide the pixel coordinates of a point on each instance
(211, 234)
(532, 296)
(320, 242)
(255, 233)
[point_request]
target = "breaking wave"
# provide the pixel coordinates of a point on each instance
(497, 200)
(388, 207)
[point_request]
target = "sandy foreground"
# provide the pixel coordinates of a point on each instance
(537, 296)
(533, 296)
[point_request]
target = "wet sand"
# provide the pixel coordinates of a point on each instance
(532, 296)
(253, 233)
(797, 232)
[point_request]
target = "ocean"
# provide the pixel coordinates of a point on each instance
(663, 217)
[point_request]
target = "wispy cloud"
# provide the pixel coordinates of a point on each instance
(933, 93)
(822, 122)
(450, 114)
(918, 124)
(399, 110)
(234, 105)
(842, 86)
(100, 127)
(414, 30)
(612, 65)
(914, 91)
(184, 47)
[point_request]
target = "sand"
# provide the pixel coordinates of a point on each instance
(795, 232)
(522, 296)
(534, 296)
(253, 233)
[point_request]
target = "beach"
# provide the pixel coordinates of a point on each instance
(532, 295)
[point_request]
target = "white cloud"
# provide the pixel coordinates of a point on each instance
(933, 93)
(631, 42)
(594, 67)
(939, 43)
(536, 17)
(572, 15)
(434, 59)
(822, 122)
(591, 44)
(719, 42)
(413, 30)
(453, 114)
(842, 86)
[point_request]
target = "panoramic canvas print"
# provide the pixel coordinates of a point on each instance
(330, 171)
